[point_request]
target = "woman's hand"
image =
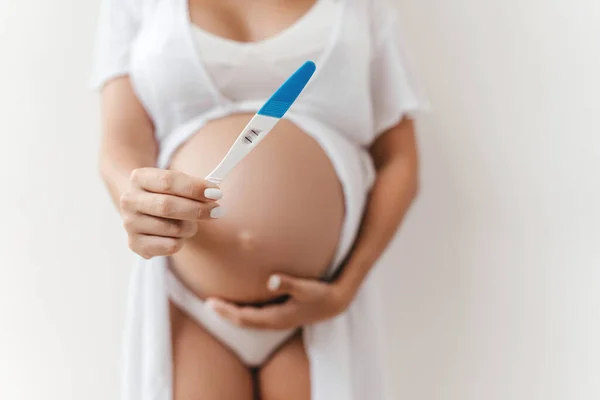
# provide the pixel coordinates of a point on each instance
(161, 209)
(310, 301)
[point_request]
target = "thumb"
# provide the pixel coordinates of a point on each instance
(298, 288)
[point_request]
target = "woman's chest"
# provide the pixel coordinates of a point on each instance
(247, 21)
(174, 84)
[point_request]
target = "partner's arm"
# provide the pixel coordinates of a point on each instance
(396, 161)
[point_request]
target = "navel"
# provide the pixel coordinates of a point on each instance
(247, 240)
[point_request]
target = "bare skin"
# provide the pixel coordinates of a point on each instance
(165, 211)
(286, 374)
(283, 206)
(205, 368)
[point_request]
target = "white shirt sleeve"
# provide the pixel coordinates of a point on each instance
(395, 91)
(117, 28)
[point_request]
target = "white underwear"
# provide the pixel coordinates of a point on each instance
(252, 346)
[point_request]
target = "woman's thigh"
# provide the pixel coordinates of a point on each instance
(286, 375)
(204, 369)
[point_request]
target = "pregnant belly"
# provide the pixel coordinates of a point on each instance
(284, 209)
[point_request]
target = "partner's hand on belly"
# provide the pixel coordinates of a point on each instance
(162, 208)
(310, 301)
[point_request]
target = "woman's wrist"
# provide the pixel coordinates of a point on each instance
(347, 285)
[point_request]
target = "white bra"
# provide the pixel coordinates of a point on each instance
(245, 71)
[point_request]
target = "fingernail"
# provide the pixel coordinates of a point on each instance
(210, 303)
(216, 212)
(213, 193)
(274, 282)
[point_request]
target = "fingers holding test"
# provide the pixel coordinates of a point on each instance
(151, 246)
(175, 183)
(167, 206)
(149, 225)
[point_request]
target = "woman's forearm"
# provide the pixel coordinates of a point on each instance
(392, 194)
(117, 160)
(128, 137)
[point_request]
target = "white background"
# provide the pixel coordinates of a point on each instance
(497, 270)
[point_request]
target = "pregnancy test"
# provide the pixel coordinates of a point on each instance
(263, 121)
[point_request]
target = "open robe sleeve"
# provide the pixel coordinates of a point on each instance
(395, 90)
(118, 26)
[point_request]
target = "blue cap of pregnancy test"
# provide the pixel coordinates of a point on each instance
(287, 93)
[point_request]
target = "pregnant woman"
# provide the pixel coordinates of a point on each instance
(256, 288)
